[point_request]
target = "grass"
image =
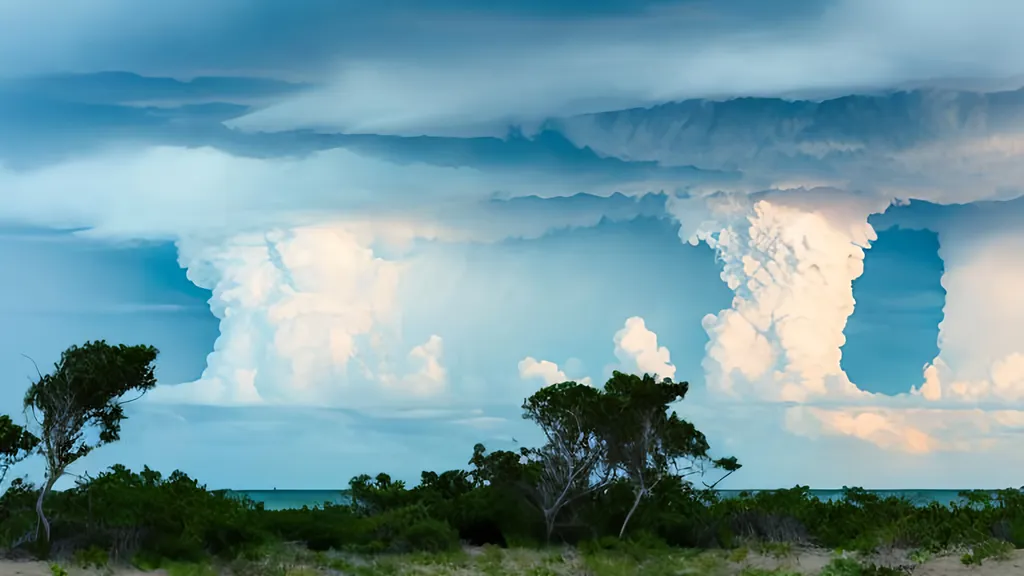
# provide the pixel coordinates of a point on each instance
(485, 561)
(752, 560)
(987, 550)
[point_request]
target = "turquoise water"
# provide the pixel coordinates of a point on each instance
(919, 497)
(286, 499)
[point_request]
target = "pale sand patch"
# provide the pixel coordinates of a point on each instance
(951, 566)
(808, 562)
(18, 568)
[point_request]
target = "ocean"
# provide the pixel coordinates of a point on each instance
(287, 499)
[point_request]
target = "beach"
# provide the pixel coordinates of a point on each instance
(565, 562)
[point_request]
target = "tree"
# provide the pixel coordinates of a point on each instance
(16, 443)
(645, 442)
(84, 393)
(570, 460)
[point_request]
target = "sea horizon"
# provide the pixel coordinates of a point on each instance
(288, 498)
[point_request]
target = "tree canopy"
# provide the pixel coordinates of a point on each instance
(16, 443)
(85, 392)
(623, 431)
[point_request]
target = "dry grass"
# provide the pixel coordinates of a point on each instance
(745, 561)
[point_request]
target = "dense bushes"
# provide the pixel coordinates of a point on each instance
(862, 522)
(121, 514)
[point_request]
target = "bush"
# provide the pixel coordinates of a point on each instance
(121, 514)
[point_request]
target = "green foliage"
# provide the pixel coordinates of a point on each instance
(92, 557)
(843, 567)
(647, 442)
(988, 549)
(622, 437)
(16, 443)
(85, 391)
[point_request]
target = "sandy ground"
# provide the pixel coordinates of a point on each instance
(12, 568)
(811, 563)
(16, 568)
(806, 562)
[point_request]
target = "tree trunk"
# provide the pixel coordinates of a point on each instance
(639, 496)
(39, 508)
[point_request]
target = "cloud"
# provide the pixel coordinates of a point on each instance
(546, 371)
(153, 193)
(431, 377)
(939, 145)
(303, 256)
(637, 349)
(885, 429)
(917, 430)
(980, 343)
(295, 307)
(305, 252)
(791, 259)
(573, 66)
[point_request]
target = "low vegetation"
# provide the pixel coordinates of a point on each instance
(622, 485)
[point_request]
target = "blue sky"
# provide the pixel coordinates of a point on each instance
(360, 236)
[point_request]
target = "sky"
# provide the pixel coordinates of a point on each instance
(361, 233)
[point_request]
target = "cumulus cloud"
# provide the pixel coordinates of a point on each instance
(295, 308)
(791, 259)
(431, 377)
(546, 371)
(981, 347)
(637, 349)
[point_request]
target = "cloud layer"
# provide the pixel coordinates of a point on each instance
(305, 164)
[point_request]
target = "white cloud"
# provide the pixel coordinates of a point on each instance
(431, 377)
(912, 430)
(546, 371)
(295, 308)
(981, 345)
(791, 261)
(637, 349)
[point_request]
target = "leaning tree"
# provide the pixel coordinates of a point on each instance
(79, 406)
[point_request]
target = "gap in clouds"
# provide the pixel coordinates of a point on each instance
(893, 330)
(560, 297)
(64, 290)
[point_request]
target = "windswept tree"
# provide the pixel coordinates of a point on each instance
(647, 443)
(571, 458)
(16, 443)
(79, 406)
